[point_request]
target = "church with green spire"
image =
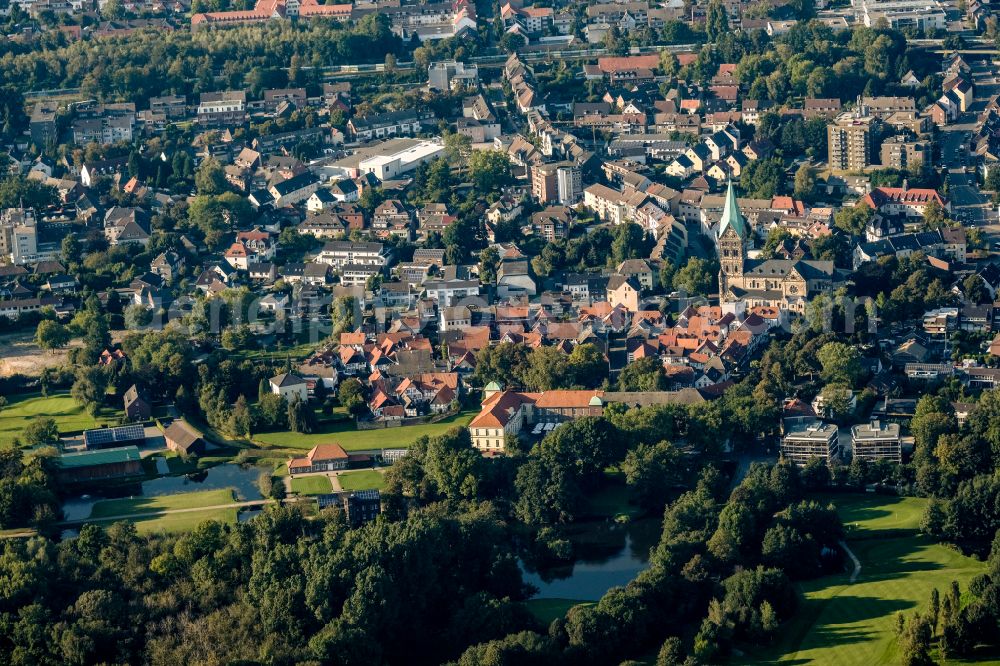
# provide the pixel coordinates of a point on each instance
(779, 283)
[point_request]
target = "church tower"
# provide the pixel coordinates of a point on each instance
(733, 234)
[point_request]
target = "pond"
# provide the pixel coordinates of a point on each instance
(241, 478)
(609, 555)
(246, 514)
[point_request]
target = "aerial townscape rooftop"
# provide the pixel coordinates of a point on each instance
(404, 332)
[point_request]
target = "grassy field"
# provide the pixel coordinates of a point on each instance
(547, 610)
(297, 353)
(357, 440)
(311, 485)
(159, 504)
(367, 479)
(871, 515)
(846, 623)
(23, 409)
(172, 523)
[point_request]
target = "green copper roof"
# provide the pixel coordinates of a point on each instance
(731, 215)
(99, 457)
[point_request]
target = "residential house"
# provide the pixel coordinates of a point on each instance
(321, 458)
(290, 387)
(137, 404)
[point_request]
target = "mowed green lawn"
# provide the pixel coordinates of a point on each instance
(161, 503)
(311, 485)
(366, 479)
(845, 623)
(352, 439)
(23, 409)
(870, 515)
(547, 610)
(174, 523)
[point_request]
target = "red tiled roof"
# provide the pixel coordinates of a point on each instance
(498, 409)
(356, 338)
(881, 196)
(319, 452)
(327, 452)
(611, 64)
(566, 399)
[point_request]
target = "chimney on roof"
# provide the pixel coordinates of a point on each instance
(876, 426)
(906, 185)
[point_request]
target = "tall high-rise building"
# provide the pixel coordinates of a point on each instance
(557, 182)
(18, 236)
(849, 139)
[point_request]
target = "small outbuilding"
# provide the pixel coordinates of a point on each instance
(184, 438)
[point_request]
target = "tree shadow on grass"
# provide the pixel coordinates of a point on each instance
(820, 623)
(863, 514)
(828, 627)
(848, 609)
(826, 637)
(889, 559)
(123, 507)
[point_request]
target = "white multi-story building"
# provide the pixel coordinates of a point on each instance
(899, 14)
(222, 108)
(24, 244)
(451, 292)
(392, 163)
(341, 253)
(877, 441)
(804, 440)
(105, 130)
(452, 75)
(606, 202)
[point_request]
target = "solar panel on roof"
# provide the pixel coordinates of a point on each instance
(103, 436)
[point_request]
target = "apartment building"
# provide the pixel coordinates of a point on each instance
(559, 182)
(804, 439)
(104, 130)
(18, 236)
(276, 97)
(886, 106)
(450, 292)
(392, 123)
(606, 203)
(922, 15)
(341, 253)
(42, 125)
(173, 107)
(849, 139)
(901, 152)
(220, 109)
(877, 441)
(452, 75)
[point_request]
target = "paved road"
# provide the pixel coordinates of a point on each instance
(743, 463)
(854, 559)
(617, 354)
(969, 205)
